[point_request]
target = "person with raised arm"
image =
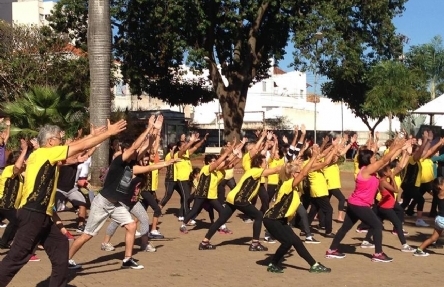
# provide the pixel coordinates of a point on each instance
(360, 202)
(276, 219)
(37, 204)
(110, 202)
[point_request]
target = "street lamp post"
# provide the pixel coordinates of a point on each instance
(318, 36)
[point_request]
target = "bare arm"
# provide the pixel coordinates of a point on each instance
(113, 129)
(197, 145)
(21, 159)
(257, 146)
(377, 165)
(140, 169)
(431, 151)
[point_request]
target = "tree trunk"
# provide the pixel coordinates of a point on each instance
(99, 55)
(371, 128)
(232, 101)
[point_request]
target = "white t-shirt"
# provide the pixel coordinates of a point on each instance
(83, 169)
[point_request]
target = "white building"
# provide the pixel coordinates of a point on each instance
(26, 12)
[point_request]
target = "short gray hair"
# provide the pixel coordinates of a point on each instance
(47, 132)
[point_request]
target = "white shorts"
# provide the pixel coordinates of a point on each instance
(101, 209)
(439, 222)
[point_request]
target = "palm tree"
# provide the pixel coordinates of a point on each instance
(99, 54)
(42, 105)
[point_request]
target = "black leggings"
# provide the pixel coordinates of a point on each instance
(391, 215)
(336, 192)
(250, 210)
(198, 205)
(231, 183)
(148, 199)
(323, 206)
(11, 229)
(271, 190)
(412, 192)
(263, 195)
(170, 187)
(366, 215)
(283, 233)
(301, 220)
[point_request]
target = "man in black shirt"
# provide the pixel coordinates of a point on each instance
(116, 189)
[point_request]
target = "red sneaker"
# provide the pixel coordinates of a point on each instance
(34, 258)
(69, 235)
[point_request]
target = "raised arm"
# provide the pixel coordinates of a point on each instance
(425, 144)
(21, 159)
(197, 145)
(397, 144)
(298, 177)
(88, 143)
(431, 151)
(140, 169)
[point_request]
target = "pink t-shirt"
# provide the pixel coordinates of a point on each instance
(365, 190)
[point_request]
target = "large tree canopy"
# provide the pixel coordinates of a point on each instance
(235, 39)
(429, 59)
(33, 56)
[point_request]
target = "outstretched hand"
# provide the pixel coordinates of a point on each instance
(117, 127)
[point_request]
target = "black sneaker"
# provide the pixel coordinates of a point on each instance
(131, 263)
(311, 240)
(80, 228)
(381, 257)
(330, 235)
(274, 268)
(319, 268)
(257, 247)
(206, 246)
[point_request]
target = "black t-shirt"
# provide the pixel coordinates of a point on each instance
(118, 180)
(67, 177)
(134, 191)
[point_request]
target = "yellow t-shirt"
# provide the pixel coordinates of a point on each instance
(318, 184)
(356, 165)
(333, 176)
(229, 173)
(208, 181)
(247, 188)
(386, 151)
(11, 188)
(152, 180)
(287, 202)
(246, 161)
(183, 168)
(427, 174)
(418, 177)
(41, 175)
(170, 174)
(274, 178)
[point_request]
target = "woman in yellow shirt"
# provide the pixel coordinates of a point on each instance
(276, 220)
(206, 190)
(240, 198)
(276, 159)
(11, 185)
(320, 201)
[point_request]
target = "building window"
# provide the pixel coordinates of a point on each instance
(264, 86)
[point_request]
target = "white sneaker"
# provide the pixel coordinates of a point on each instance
(407, 248)
(192, 223)
(421, 223)
(149, 248)
(3, 225)
(366, 244)
(72, 264)
(180, 218)
(138, 235)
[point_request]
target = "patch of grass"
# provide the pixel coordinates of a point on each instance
(347, 166)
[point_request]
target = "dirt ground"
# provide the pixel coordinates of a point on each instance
(178, 262)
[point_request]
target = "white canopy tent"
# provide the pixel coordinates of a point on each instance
(434, 107)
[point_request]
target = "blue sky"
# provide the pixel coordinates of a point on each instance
(420, 22)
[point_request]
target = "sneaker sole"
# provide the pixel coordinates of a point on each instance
(312, 242)
(408, 251)
(35, 260)
(334, 257)
(382, 261)
(421, 255)
(132, 267)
